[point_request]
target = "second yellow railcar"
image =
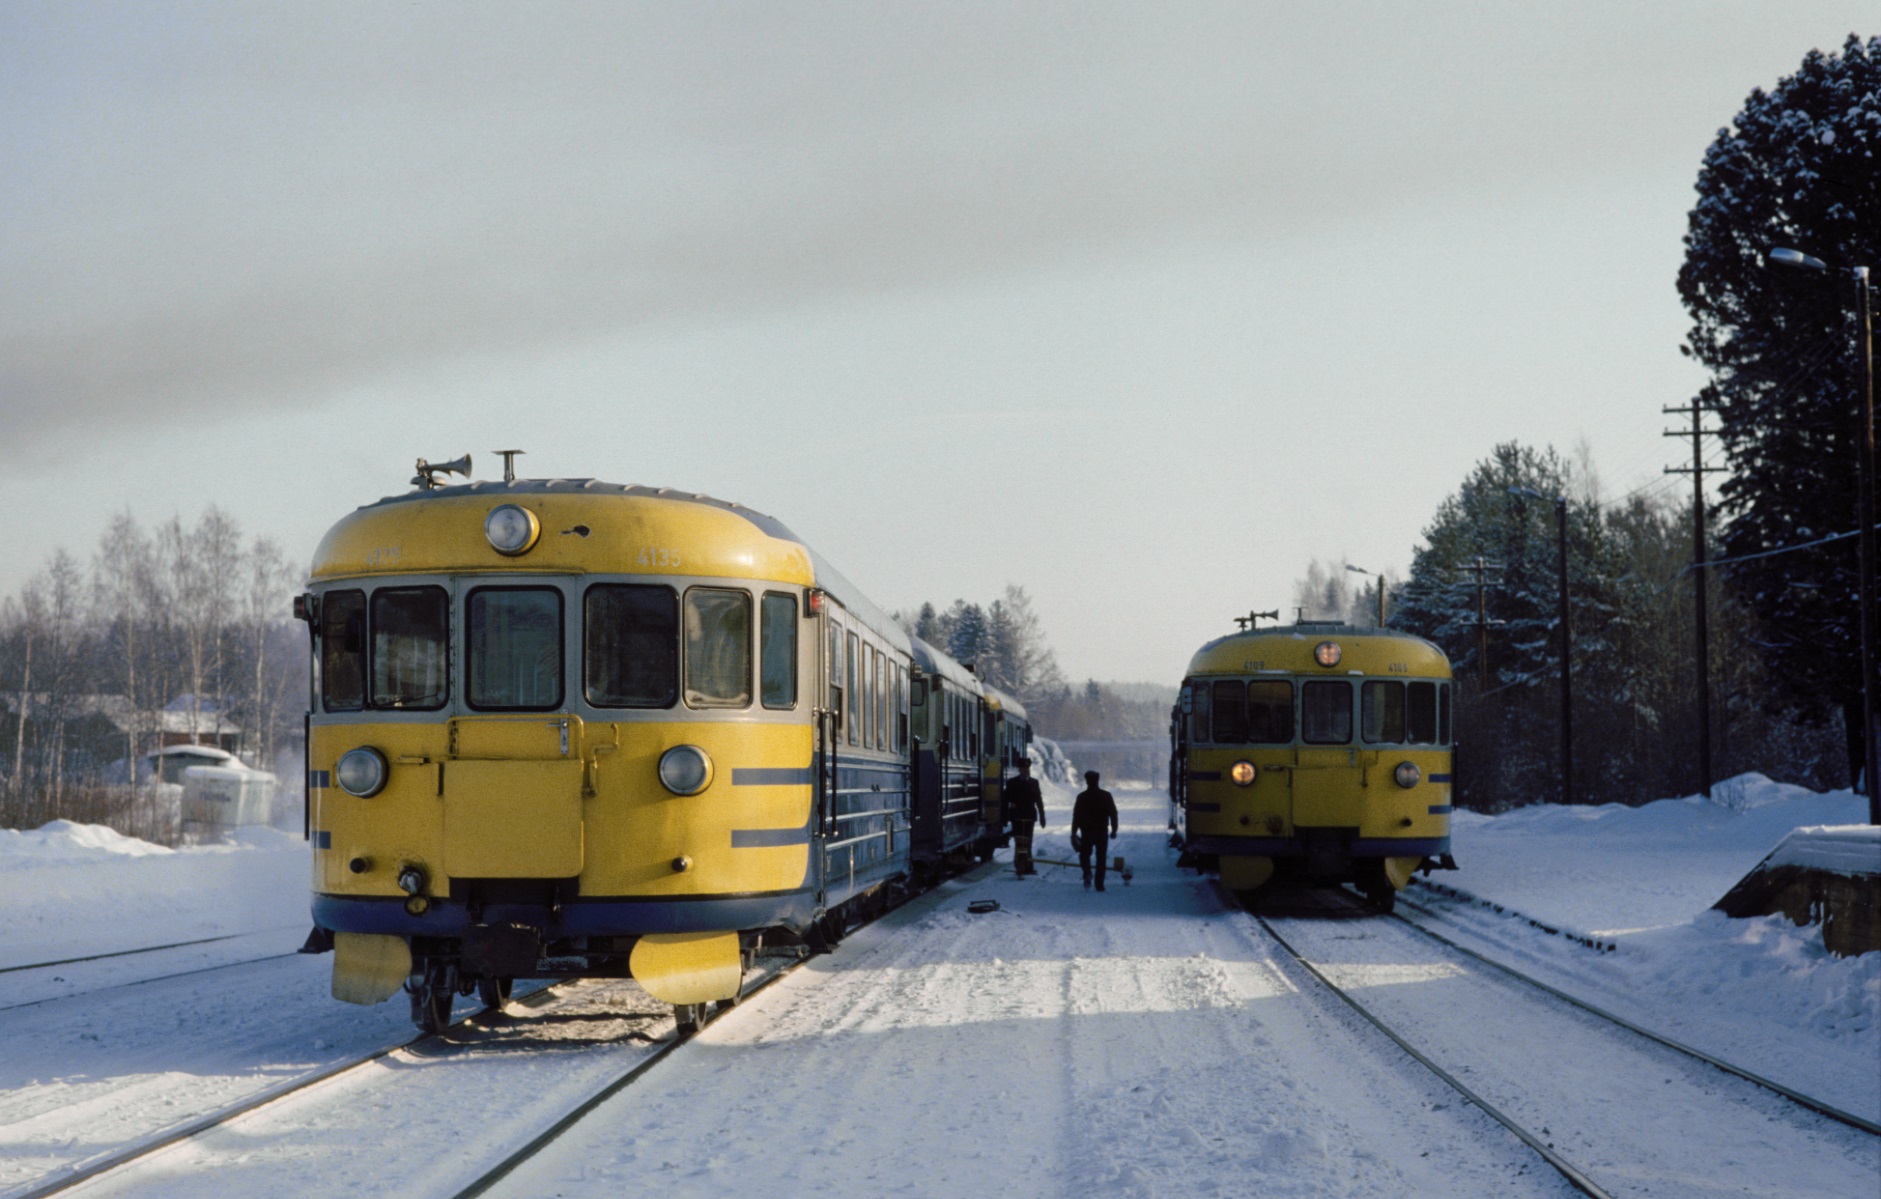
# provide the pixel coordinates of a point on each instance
(1318, 751)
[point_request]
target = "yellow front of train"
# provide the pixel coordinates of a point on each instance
(557, 720)
(1322, 752)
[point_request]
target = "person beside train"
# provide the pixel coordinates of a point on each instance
(1024, 801)
(1093, 824)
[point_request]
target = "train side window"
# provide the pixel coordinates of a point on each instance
(1421, 714)
(411, 638)
(777, 651)
(718, 648)
(881, 702)
(1230, 703)
(1326, 712)
(836, 676)
(514, 637)
(1381, 711)
(857, 704)
(1443, 714)
(866, 696)
(343, 651)
(630, 645)
(1198, 719)
(898, 734)
(1270, 712)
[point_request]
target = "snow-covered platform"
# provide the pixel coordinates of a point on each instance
(1826, 875)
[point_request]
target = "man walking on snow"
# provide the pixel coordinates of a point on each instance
(1093, 824)
(1023, 803)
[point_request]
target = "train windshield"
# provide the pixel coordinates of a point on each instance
(1258, 712)
(631, 645)
(718, 648)
(410, 647)
(1401, 713)
(343, 651)
(1326, 712)
(778, 650)
(515, 648)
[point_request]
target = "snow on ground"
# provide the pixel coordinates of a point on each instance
(73, 890)
(1143, 1041)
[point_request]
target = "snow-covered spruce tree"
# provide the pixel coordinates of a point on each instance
(1799, 168)
(966, 639)
(1510, 721)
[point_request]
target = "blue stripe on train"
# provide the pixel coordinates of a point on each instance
(772, 776)
(769, 838)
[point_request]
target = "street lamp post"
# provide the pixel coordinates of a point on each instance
(1360, 570)
(1864, 508)
(1567, 687)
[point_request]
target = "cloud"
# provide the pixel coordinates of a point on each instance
(254, 210)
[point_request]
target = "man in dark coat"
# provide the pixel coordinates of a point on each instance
(1023, 803)
(1093, 824)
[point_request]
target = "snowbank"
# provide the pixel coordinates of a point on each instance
(72, 890)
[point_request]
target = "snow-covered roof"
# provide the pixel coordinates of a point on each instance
(1848, 849)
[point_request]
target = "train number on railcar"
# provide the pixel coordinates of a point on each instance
(658, 557)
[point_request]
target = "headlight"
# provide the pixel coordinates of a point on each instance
(1327, 653)
(361, 771)
(1407, 774)
(511, 529)
(685, 770)
(1243, 774)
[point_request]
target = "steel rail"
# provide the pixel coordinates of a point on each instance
(1813, 1104)
(124, 953)
(550, 1135)
(140, 982)
(222, 1115)
(1565, 1168)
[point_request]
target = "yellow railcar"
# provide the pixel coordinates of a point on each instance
(570, 728)
(1320, 752)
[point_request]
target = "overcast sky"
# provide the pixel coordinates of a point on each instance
(1143, 307)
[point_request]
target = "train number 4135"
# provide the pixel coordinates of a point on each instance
(653, 557)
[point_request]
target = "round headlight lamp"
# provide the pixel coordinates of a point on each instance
(685, 770)
(512, 529)
(1243, 774)
(1327, 653)
(1407, 774)
(361, 771)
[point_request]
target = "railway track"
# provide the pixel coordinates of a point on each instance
(116, 1171)
(104, 1165)
(140, 982)
(1540, 1139)
(503, 1169)
(127, 953)
(1820, 1107)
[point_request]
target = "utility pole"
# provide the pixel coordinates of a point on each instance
(1483, 624)
(1700, 584)
(1858, 276)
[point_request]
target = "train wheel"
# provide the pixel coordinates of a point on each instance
(495, 992)
(1382, 896)
(688, 1017)
(431, 1007)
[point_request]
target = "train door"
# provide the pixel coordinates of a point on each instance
(511, 777)
(829, 717)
